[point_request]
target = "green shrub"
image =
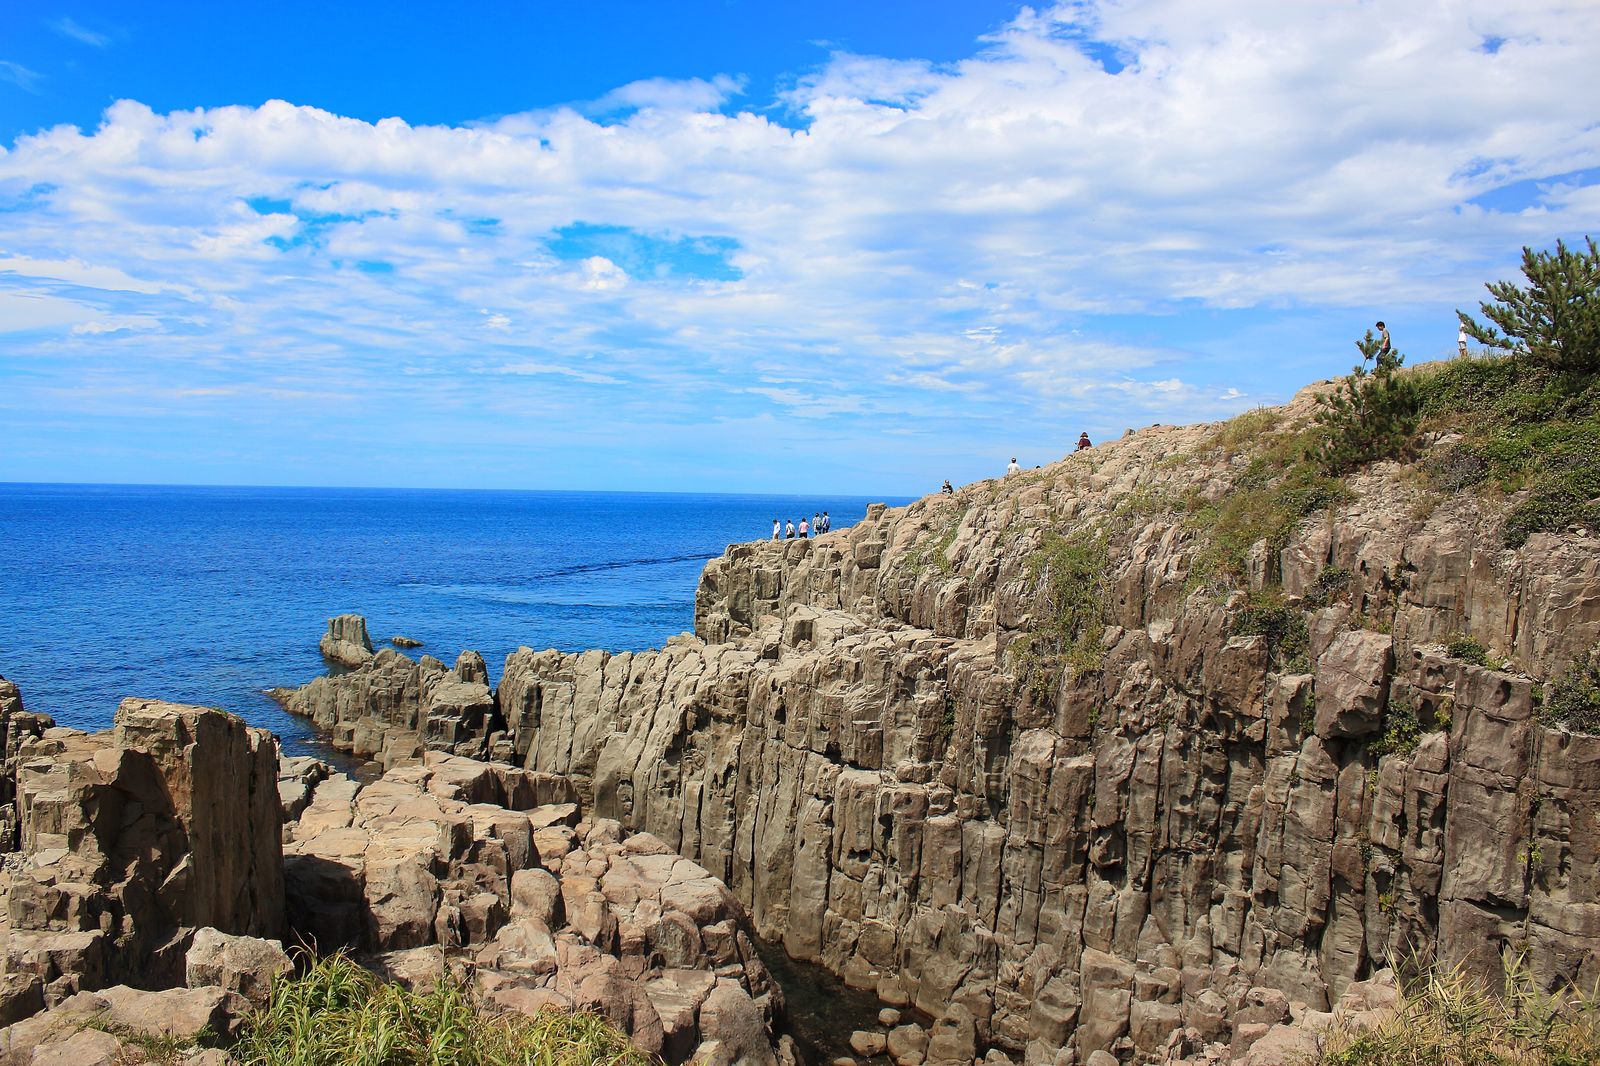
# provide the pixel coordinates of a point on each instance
(1073, 571)
(1573, 697)
(1283, 626)
(1555, 320)
(1370, 415)
(1402, 729)
(1281, 486)
(1525, 428)
(1326, 588)
(338, 1014)
(1462, 646)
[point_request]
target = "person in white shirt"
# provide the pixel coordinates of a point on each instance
(777, 529)
(1013, 468)
(1461, 341)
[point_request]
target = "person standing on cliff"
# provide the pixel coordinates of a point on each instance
(805, 531)
(1461, 341)
(1383, 339)
(1013, 468)
(788, 530)
(777, 529)
(827, 523)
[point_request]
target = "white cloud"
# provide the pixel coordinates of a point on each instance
(934, 242)
(82, 34)
(19, 75)
(669, 94)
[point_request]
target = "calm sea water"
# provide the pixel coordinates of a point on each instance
(210, 595)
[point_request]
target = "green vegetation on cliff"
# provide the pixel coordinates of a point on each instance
(338, 1014)
(1074, 570)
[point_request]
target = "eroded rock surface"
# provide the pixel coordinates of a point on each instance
(133, 838)
(389, 708)
(1108, 855)
(346, 641)
(447, 863)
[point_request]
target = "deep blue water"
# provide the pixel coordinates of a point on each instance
(210, 595)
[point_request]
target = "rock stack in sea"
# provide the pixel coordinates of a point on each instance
(1196, 823)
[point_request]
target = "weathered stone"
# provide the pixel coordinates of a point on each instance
(244, 964)
(346, 641)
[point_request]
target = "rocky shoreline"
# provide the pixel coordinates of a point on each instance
(1205, 837)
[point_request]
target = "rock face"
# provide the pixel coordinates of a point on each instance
(17, 727)
(133, 838)
(1120, 850)
(346, 641)
(1108, 850)
(447, 861)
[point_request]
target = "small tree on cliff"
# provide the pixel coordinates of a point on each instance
(1371, 415)
(1555, 320)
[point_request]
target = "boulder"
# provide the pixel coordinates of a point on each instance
(244, 964)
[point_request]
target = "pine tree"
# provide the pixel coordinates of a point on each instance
(1555, 320)
(1371, 415)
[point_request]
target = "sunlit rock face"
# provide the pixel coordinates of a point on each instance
(1122, 852)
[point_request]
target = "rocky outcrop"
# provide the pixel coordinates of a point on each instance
(120, 1025)
(1108, 850)
(447, 862)
(133, 838)
(389, 708)
(17, 727)
(346, 641)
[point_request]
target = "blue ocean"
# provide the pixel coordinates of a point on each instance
(211, 595)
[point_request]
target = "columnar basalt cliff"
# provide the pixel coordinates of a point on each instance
(1018, 757)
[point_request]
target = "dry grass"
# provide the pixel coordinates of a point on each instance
(1448, 1018)
(339, 1014)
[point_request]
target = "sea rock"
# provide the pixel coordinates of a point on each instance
(346, 641)
(404, 642)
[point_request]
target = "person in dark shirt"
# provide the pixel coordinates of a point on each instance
(1083, 441)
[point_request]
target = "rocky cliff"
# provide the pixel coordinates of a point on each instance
(1025, 756)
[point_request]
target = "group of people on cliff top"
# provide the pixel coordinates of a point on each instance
(1012, 468)
(819, 524)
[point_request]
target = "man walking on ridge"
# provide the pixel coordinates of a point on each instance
(1383, 339)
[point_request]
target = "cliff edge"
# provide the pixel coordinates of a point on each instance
(1077, 759)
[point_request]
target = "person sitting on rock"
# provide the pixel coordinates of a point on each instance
(948, 490)
(1083, 441)
(1013, 468)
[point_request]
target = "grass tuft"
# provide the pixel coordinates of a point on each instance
(1449, 1018)
(339, 1014)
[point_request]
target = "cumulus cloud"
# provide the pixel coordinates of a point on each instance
(968, 249)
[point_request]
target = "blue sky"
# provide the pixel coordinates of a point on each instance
(741, 246)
